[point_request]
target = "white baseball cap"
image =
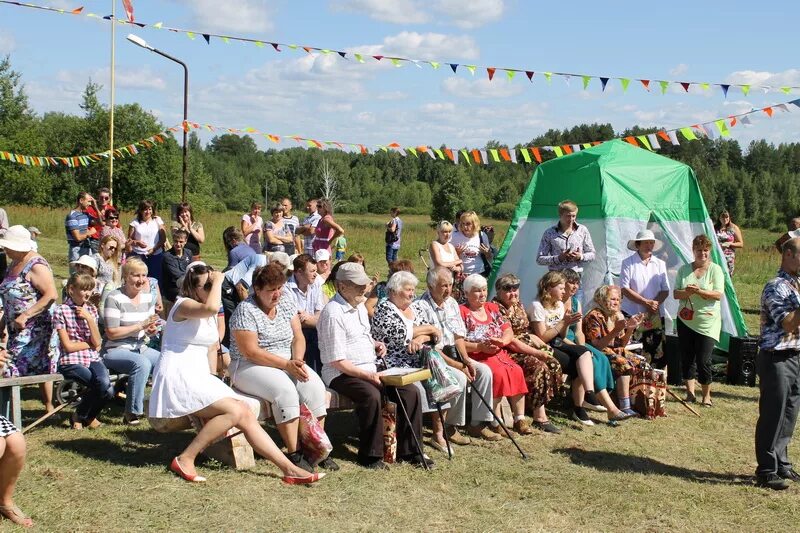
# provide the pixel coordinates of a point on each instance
(322, 254)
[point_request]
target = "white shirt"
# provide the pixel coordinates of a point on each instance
(344, 334)
(309, 301)
(446, 317)
(308, 238)
(550, 317)
(645, 279)
(471, 256)
(147, 232)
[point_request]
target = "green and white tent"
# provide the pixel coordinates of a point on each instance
(620, 189)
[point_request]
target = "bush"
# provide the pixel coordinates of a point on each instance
(501, 211)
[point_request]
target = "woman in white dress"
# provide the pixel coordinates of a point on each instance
(184, 385)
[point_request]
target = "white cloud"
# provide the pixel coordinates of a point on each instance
(472, 14)
(789, 77)
(481, 88)
(439, 107)
(232, 15)
(396, 11)
(125, 78)
(7, 43)
(430, 45)
(679, 69)
(392, 95)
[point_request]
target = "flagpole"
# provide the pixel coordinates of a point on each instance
(111, 114)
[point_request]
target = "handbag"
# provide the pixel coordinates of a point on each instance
(389, 415)
(649, 392)
(314, 442)
(442, 385)
(687, 313)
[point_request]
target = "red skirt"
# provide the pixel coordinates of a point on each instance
(508, 379)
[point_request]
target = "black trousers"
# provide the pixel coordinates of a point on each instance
(367, 397)
(568, 355)
(779, 377)
(230, 299)
(696, 351)
(312, 350)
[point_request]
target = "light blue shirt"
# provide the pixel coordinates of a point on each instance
(243, 271)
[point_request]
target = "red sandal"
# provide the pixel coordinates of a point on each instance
(307, 480)
(175, 466)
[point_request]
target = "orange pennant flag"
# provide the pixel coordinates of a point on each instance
(504, 154)
(632, 140)
(567, 149)
(307, 49)
(663, 135)
(733, 121)
(491, 71)
(77, 10)
(536, 154)
(768, 111)
(449, 153)
(476, 156)
(363, 149)
(595, 143)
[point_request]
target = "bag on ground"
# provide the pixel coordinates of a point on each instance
(389, 414)
(314, 442)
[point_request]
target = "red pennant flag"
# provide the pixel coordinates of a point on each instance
(308, 49)
(733, 121)
(128, 5)
(685, 86)
(378, 57)
(646, 84)
(632, 140)
(394, 145)
(504, 154)
(530, 74)
(768, 111)
(491, 71)
(77, 10)
(536, 154)
(363, 149)
(567, 149)
(663, 135)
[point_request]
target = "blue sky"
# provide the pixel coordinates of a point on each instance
(324, 97)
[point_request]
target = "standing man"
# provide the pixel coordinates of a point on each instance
(291, 223)
(643, 279)
(778, 366)
(174, 264)
(394, 233)
(309, 226)
(77, 226)
(97, 214)
(307, 295)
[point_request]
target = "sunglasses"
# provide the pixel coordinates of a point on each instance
(510, 287)
(104, 197)
(111, 248)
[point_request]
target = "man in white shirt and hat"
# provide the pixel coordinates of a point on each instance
(644, 283)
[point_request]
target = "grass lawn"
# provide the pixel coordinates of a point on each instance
(676, 473)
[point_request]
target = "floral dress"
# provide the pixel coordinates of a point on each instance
(728, 235)
(34, 349)
(623, 362)
(543, 373)
(508, 378)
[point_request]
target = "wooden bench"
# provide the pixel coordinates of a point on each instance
(10, 401)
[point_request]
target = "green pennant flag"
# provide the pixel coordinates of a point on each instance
(586, 80)
(705, 86)
(645, 142)
(396, 62)
(587, 145)
(787, 90)
(439, 153)
(326, 51)
(190, 35)
(722, 127)
(559, 152)
(465, 156)
(624, 82)
(548, 76)
(688, 134)
(495, 155)
(259, 44)
(359, 58)
(310, 143)
(664, 85)
(525, 155)
(510, 74)
(434, 64)
(413, 151)
(158, 25)
(471, 69)
(745, 89)
(226, 40)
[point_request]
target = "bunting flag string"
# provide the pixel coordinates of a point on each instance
(529, 154)
(398, 61)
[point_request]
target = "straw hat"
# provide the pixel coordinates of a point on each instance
(18, 239)
(644, 235)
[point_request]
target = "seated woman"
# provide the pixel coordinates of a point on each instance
(397, 323)
(267, 350)
(607, 329)
(378, 292)
(603, 376)
(543, 373)
(130, 319)
(108, 262)
(76, 323)
(550, 323)
(488, 337)
(182, 384)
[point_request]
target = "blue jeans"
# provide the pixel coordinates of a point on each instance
(138, 365)
(76, 250)
(100, 391)
(391, 253)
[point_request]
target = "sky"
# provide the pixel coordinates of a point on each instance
(324, 97)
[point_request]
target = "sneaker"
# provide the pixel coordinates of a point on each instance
(772, 481)
(522, 427)
(299, 461)
(597, 408)
(130, 419)
(483, 432)
(789, 475)
(456, 437)
(547, 427)
(579, 414)
(329, 464)
(376, 465)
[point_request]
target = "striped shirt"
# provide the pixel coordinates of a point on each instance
(76, 220)
(120, 311)
(311, 301)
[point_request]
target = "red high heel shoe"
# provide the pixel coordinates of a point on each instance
(292, 480)
(175, 466)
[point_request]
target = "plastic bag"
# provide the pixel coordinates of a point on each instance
(314, 442)
(442, 385)
(389, 414)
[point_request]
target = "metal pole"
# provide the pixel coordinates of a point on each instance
(111, 113)
(185, 181)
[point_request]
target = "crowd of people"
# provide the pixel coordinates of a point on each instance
(284, 324)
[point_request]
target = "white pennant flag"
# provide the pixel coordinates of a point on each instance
(653, 141)
(782, 107)
(745, 120)
(576, 147)
(673, 137)
(455, 156)
(429, 151)
(484, 158)
(513, 153)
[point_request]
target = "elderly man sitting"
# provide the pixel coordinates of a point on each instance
(437, 307)
(349, 354)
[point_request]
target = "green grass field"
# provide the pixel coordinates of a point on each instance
(676, 473)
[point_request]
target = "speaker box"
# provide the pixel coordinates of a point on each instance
(673, 355)
(742, 361)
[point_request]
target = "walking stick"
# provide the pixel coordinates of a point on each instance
(455, 355)
(417, 443)
(686, 405)
(444, 430)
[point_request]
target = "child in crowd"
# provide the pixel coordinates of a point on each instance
(76, 323)
(341, 247)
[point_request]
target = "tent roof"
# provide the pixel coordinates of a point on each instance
(615, 179)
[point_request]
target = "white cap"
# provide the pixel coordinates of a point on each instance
(17, 238)
(282, 258)
(323, 254)
(353, 272)
(643, 235)
(86, 260)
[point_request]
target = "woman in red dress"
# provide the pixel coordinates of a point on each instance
(488, 335)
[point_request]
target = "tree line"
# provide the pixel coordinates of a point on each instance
(759, 185)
